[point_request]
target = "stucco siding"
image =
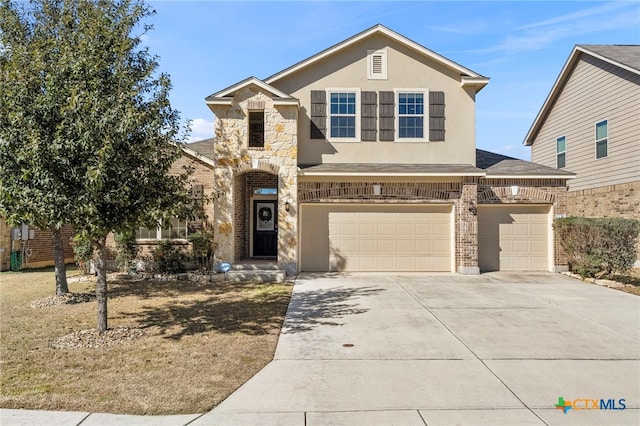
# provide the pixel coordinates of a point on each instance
(595, 91)
(406, 70)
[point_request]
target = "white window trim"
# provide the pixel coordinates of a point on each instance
(358, 112)
(159, 233)
(382, 53)
(563, 152)
(595, 133)
(425, 115)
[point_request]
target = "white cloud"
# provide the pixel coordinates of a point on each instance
(576, 16)
(539, 35)
(200, 129)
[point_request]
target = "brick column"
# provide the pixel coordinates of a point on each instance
(467, 229)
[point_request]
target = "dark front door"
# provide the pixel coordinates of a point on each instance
(265, 228)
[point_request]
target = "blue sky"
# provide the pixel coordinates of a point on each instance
(521, 46)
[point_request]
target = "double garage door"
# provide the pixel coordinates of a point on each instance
(350, 237)
(513, 237)
(343, 237)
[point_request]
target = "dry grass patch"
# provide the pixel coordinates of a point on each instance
(200, 342)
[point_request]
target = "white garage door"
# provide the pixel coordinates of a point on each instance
(513, 238)
(339, 237)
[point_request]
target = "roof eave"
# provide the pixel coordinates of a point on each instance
(516, 176)
(219, 101)
(390, 174)
(197, 155)
(546, 106)
(476, 82)
(224, 93)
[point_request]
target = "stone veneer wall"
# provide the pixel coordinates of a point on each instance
(622, 200)
(531, 191)
(461, 194)
(278, 157)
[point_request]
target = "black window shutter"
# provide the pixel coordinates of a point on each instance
(368, 117)
(387, 116)
(318, 114)
(436, 116)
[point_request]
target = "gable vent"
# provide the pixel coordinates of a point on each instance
(377, 64)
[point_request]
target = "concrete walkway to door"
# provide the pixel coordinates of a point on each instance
(440, 349)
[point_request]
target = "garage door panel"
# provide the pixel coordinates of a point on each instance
(513, 237)
(377, 237)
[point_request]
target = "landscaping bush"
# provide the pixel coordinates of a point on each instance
(82, 251)
(126, 250)
(598, 247)
(202, 248)
(168, 258)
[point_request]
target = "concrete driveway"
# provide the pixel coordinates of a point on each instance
(416, 349)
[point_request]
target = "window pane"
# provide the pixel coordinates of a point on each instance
(410, 112)
(601, 149)
(410, 127)
(343, 111)
(560, 145)
(601, 130)
(176, 229)
(146, 233)
(561, 160)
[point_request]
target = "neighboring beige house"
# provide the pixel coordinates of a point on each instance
(363, 158)
(590, 124)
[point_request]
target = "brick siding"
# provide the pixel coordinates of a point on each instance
(41, 247)
(622, 200)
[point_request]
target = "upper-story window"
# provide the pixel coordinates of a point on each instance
(343, 115)
(602, 134)
(561, 155)
(256, 129)
(411, 115)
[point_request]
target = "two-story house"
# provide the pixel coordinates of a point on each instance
(590, 124)
(363, 158)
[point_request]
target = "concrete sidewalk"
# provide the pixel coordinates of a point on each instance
(437, 349)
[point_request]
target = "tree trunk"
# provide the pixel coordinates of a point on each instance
(60, 268)
(101, 284)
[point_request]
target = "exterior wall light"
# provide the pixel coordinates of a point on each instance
(377, 189)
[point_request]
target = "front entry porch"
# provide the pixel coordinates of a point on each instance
(256, 216)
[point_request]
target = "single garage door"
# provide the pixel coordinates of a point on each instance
(513, 238)
(341, 237)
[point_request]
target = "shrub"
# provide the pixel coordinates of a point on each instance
(202, 248)
(598, 247)
(82, 251)
(126, 250)
(168, 258)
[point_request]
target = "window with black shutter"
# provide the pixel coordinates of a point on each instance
(318, 114)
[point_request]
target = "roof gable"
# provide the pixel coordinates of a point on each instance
(224, 96)
(626, 57)
(468, 76)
